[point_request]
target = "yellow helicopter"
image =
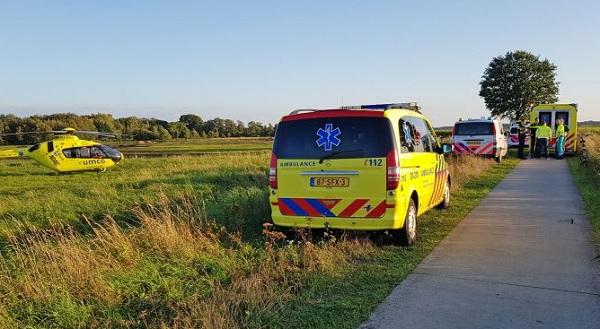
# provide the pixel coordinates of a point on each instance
(67, 153)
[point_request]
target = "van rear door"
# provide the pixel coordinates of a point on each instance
(333, 167)
(474, 137)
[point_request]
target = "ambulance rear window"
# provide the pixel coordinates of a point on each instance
(348, 137)
(473, 128)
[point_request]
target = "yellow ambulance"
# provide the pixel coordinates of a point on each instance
(549, 113)
(368, 167)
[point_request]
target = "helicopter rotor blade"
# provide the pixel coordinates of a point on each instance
(65, 132)
(27, 133)
(97, 133)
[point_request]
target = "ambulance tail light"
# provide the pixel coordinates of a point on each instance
(393, 170)
(493, 129)
(273, 171)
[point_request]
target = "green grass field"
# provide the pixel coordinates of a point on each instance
(176, 242)
(232, 187)
(195, 146)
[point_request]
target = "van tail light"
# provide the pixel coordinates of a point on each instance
(273, 171)
(393, 170)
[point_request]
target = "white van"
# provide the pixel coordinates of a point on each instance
(513, 137)
(483, 137)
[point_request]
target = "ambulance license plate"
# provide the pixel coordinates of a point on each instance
(329, 181)
(473, 142)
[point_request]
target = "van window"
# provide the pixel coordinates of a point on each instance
(473, 128)
(431, 135)
(545, 117)
(343, 137)
(415, 135)
(562, 115)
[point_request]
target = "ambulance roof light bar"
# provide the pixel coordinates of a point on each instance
(389, 106)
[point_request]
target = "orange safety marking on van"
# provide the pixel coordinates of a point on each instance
(441, 176)
(332, 207)
(378, 211)
(353, 208)
(460, 148)
(569, 142)
(485, 149)
(437, 181)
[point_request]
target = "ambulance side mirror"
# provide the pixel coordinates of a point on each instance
(446, 148)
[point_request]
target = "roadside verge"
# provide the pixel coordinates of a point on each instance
(588, 184)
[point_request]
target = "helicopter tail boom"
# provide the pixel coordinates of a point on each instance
(12, 153)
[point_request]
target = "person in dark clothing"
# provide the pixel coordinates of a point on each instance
(522, 132)
(533, 152)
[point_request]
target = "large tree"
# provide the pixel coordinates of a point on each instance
(514, 82)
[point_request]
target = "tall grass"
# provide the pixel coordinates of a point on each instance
(465, 168)
(179, 263)
(176, 269)
(589, 148)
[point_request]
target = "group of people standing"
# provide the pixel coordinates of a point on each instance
(540, 135)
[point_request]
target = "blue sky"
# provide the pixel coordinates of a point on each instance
(257, 60)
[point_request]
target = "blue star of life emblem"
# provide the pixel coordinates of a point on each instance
(328, 137)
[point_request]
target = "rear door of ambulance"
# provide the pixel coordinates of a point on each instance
(569, 115)
(333, 167)
(548, 116)
(474, 137)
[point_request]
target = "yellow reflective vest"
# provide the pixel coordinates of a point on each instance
(560, 130)
(544, 132)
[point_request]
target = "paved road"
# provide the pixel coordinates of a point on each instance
(516, 261)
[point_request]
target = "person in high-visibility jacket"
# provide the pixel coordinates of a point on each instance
(543, 134)
(560, 139)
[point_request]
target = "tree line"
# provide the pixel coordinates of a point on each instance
(143, 129)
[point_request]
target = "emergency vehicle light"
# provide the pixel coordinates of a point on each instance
(388, 106)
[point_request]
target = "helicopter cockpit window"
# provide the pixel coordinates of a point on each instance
(109, 151)
(84, 152)
(96, 152)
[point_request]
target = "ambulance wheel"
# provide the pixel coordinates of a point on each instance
(446, 202)
(407, 235)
